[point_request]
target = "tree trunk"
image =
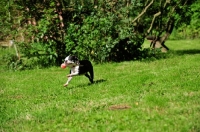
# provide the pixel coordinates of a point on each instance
(159, 42)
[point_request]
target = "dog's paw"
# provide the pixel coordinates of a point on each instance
(65, 85)
(69, 75)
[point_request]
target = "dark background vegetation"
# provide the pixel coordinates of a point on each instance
(46, 31)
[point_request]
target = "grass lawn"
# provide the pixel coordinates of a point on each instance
(154, 96)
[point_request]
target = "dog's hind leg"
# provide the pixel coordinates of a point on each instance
(91, 75)
(88, 76)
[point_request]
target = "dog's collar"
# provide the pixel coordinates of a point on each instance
(76, 65)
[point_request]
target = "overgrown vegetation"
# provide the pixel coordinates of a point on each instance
(100, 30)
(191, 31)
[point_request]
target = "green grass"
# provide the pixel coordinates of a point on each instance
(155, 96)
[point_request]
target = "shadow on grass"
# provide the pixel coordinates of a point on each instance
(98, 81)
(84, 85)
(170, 54)
(189, 52)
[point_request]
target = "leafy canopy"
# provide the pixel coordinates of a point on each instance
(101, 30)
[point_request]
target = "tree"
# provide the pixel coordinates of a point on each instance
(102, 30)
(6, 19)
(171, 14)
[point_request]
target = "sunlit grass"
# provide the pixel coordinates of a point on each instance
(160, 95)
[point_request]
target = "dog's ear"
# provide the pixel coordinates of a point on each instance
(70, 57)
(75, 58)
(67, 58)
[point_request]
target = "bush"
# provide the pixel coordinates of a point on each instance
(102, 38)
(38, 54)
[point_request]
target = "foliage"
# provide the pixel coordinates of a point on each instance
(100, 38)
(7, 13)
(192, 30)
(92, 29)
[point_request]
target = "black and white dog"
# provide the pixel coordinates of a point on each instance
(78, 67)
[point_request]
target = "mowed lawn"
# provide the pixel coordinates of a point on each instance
(154, 96)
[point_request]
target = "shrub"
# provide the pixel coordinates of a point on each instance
(102, 38)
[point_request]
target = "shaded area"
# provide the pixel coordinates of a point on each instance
(86, 84)
(99, 81)
(189, 52)
(126, 50)
(156, 54)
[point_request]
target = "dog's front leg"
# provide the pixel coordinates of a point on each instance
(72, 73)
(69, 79)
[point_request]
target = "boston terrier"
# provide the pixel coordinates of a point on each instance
(78, 67)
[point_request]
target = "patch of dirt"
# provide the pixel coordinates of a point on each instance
(119, 107)
(16, 97)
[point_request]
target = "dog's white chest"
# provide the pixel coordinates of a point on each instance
(75, 70)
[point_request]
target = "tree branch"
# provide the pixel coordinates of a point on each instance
(167, 1)
(145, 9)
(146, 2)
(152, 22)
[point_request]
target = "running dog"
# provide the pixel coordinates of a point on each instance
(78, 67)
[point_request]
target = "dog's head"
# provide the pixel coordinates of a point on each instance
(71, 61)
